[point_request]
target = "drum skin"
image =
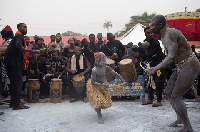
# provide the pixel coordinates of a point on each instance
(110, 63)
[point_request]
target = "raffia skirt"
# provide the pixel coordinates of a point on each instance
(98, 96)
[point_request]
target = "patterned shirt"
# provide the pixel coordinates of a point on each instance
(57, 65)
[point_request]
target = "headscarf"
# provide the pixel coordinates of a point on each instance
(7, 34)
(7, 28)
(98, 56)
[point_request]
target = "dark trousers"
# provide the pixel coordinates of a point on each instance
(72, 90)
(198, 87)
(15, 76)
(159, 82)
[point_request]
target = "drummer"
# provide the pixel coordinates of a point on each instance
(55, 69)
(37, 70)
(114, 49)
(77, 64)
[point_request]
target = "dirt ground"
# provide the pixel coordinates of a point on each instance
(126, 115)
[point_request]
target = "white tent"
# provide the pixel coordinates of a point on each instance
(136, 35)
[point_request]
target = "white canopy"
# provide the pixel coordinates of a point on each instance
(135, 36)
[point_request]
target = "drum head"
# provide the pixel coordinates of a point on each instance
(78, 78)
(109, 61)
(55, 79)
(30, 80)
(125, 61)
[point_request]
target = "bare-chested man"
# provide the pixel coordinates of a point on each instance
(97, 91)
(187, 68)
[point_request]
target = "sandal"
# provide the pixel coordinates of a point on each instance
(157, 104)
(72, 100)
(20, 107)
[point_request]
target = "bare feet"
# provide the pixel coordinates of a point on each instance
(175, 124)
(100, 120)
(185, 130)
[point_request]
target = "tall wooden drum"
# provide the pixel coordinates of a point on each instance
(55, 91)
(33, 90)
(79, 83)
(111, 64)
(127, 70)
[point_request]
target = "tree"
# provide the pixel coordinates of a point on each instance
(144, 19)
(197, 10)
(107, 25)
(70, 33)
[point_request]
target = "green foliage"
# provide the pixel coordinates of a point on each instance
(107, 25)
(197, 10)
(144, 19)
(70, 33)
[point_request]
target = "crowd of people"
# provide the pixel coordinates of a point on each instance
(53, 60)
(37, 60)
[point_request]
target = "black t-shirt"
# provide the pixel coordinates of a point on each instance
(114, 47)
(67, 53)
(43, 52)
(93, 47)
(155, 54)
(90, 56)
(37, 64)
(100, 47)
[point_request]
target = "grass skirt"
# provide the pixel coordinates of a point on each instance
(98, 96)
